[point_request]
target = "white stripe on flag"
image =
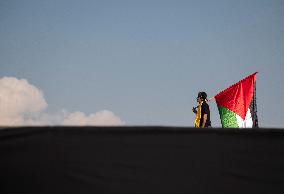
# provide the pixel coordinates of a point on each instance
(247, 123)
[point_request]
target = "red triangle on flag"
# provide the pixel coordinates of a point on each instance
(237, 97)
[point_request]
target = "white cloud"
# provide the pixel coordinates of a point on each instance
(104, 117)
(18, 98)
(22, 104)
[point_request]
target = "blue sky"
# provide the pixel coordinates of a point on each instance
(144, 61)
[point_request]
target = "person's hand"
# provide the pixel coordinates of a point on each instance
(194, 110)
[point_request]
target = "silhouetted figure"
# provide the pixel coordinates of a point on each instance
(202, 111)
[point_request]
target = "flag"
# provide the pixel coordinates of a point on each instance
(237, 104)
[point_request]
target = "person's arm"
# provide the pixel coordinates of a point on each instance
(205, 110)
(204, 120)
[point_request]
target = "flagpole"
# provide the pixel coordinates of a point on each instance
(211, 99)
(255, 107)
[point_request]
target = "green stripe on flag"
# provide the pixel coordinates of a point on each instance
(228, 118)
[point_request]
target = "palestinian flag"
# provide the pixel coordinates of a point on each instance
(237, 104)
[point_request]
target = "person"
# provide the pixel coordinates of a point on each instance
(202, 118)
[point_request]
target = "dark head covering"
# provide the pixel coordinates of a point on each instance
(202, 95)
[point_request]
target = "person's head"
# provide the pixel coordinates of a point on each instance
(202, 96)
